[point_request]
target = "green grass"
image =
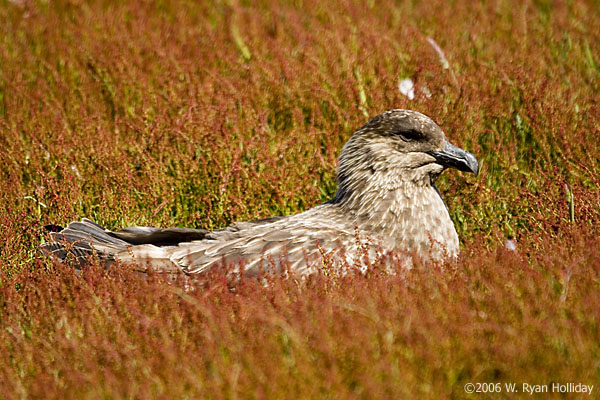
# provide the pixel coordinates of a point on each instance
(203, 113)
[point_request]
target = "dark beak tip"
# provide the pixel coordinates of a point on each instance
(472, 164)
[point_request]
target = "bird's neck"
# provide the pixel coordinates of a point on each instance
(404, 210)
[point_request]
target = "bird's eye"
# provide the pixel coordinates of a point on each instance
(410, 136)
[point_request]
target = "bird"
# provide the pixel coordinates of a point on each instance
(386, 202)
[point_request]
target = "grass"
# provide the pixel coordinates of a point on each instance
(201, 114)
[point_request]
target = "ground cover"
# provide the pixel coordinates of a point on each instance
(200, 114)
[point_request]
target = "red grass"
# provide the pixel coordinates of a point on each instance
(199, 114)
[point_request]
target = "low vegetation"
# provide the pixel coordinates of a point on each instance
(199, 114)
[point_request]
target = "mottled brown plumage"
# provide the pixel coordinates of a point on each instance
(386, 195)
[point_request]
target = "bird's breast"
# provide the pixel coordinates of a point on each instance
(413, 219)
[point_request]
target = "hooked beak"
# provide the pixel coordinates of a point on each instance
(455, 157)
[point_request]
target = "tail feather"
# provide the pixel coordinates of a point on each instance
(87, 229)
(82, 239)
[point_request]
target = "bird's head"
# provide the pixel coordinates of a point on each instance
(399, 146)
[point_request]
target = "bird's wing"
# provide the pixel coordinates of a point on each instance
(301, 242)
(139, 235)
(295, 243)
